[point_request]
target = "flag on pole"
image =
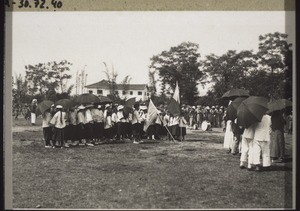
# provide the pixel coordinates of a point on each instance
(151, 115)
(176, 95)
(174, 106)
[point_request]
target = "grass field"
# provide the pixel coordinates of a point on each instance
(195, 174)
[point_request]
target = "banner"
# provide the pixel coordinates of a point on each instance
(176, 95)
(151, 115)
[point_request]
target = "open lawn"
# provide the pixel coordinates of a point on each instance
(195, 174)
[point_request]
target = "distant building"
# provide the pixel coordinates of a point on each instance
(139, 91)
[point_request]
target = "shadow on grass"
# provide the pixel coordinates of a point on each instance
(150, 142)
(196, 140)
(279, 168)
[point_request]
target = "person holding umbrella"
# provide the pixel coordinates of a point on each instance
(246, 148)
(228, 138)
(120, 123)
(88, 126)
(59, 122)
(277, 144)
(261, 143)
(108, 123)
(136, 124)
(80, 127)
(97, 115)
(73, 125)
(47, 129)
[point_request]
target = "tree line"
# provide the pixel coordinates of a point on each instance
(267, 72)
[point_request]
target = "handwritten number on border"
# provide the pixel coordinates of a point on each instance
(41, 4)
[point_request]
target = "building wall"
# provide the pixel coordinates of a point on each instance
(138, 94)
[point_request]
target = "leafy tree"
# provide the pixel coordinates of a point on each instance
(180, 64)
(19, 92)
(267, 73)
(48, 77)
(275, 58)
(229, 70)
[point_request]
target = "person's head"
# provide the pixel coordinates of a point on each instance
(107, 106)
(59, 107)
(120, 108)
(81, 108)
(34, 101)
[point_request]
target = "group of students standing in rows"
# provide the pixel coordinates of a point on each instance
(197, 114)
(259, 145)
(91, 125)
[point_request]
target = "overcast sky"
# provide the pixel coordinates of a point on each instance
(129, 39)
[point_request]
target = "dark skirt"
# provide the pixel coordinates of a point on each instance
(47, 131)
(137, 130)
(68, 132)
(277, 144)
(98, 130)
(59, 136)
(80, 131)
(72, 132)
(128, 129)
(151, 130)
(120, 129)
(108, 133)
(175, 130)
(88, 129)
(182, 131)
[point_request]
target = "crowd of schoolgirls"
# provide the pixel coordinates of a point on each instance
(91, 125)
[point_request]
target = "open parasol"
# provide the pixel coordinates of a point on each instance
(234, 93)
(232, 108)
(278, 105)
(66, 103)
(86, 99)
(251, 111)
(43, 106)
(104, 100)
(128, 106)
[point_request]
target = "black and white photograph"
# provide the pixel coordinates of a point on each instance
(153, 109)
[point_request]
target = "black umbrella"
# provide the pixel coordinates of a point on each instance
(233, 93)
(128, 106)
(251, 111)
(278, 105)
(65, 103)
(104, 100)
(231, 113)
(86, 99)
(43, 106)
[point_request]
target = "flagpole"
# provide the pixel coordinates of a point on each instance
(166, 127)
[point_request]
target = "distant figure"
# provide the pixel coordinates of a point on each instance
(33, 111)
(277, 145)
(47, 129)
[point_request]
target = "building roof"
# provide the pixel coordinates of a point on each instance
(105, 85)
